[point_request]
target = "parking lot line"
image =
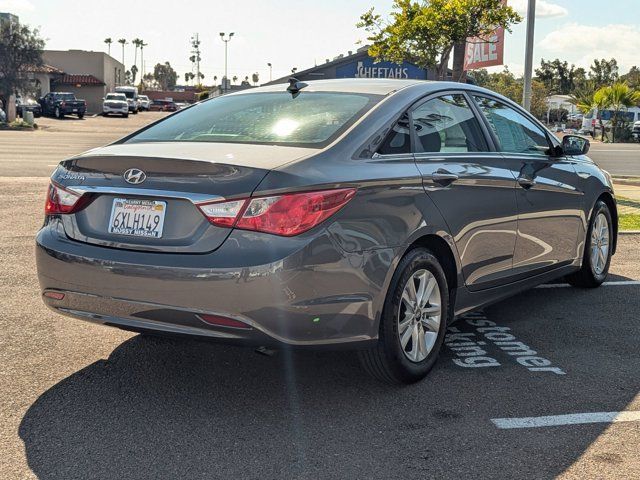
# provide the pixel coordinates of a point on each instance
(570, 419)
(605, 284)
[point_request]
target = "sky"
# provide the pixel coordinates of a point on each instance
(301, 33)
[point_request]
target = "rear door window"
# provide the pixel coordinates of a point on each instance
(447, 124)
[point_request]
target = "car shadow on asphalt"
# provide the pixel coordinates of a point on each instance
(167, 408)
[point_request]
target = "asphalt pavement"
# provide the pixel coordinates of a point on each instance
(81, 401)
(619, 159)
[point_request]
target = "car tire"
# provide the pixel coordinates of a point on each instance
(595, 261)
(81, 116)
(58, 113)
(395, 358)
(125, 115)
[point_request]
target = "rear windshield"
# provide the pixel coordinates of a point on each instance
(128, 94)
(311, 119)
(65, 96)
(115, 96)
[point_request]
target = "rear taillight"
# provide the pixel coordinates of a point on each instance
(60, 201)
(285, 215)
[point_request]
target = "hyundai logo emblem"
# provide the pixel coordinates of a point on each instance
(134, 176)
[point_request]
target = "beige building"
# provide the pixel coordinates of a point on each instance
(89, 75)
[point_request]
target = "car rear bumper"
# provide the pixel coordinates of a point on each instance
(298, 292)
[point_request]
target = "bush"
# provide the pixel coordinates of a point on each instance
(202, 96)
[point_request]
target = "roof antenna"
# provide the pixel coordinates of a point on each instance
(295, 86)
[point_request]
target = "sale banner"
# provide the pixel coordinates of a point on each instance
(480, 53)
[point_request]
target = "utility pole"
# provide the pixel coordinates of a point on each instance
(528, 57)
(195, 43)
(270, 71)
(226, 45)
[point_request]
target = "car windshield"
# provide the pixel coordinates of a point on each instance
(128, 94)
(65, 96)
(116, 96)
(311, 119)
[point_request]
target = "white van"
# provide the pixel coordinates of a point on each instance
(590, 121)
(132, 97)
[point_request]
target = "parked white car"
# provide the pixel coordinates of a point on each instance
(144, 102)
(115, 103)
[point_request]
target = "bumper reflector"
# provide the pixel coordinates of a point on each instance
(219, 321)
(54, 295)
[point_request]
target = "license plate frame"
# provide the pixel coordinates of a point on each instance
(137, 217)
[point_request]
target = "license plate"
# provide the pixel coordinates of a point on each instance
(75, 109)
(138, 218)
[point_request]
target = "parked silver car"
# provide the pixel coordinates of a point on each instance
(358, 213)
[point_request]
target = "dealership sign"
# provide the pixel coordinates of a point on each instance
(368, 68)
(480, 53)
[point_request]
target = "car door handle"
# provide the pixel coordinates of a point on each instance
(526, 183)
(443, 177)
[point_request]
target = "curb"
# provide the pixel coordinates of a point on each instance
(629, 232)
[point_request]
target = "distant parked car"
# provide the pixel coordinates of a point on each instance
(27, 105)
(636, 131)
(181, 105)
(59, 104)
(115, 103)
(163, 106)
(144, 102)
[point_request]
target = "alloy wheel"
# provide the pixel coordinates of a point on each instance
(419, 315)
(600, 244)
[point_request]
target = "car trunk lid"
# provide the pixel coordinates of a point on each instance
(174, 178)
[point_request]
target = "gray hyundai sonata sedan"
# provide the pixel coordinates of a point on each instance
(359, 213)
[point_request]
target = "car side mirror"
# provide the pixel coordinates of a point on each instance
(575, 145)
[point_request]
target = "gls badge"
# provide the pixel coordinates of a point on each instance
(134, 176)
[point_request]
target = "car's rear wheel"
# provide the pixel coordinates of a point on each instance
(413, 322)
(81, 116)
(597, 250)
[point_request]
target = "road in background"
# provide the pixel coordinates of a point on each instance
(619, 159)
(35, 153)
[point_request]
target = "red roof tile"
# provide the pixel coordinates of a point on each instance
(75, 79)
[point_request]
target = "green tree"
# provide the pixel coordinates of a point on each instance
(632, 78)
(604, 72)
(425, 32)
(618, 97)
(255, 78)
(558, 77)
(20, 47)
(165, 76)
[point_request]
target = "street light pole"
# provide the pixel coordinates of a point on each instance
(226, 45)
(528, 57)
(270, 71)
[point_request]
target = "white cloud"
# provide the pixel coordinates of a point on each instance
(13, 6)
(544, 9)
(586, 42)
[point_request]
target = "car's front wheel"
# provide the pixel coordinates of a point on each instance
(597, 250)
(413, 322)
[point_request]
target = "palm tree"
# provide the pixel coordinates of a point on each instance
(136, 43)
(108, 41)
(123, 42)
(255, 78)
(142, 45)
(215, 79)
(619, 97)
(235, 79)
